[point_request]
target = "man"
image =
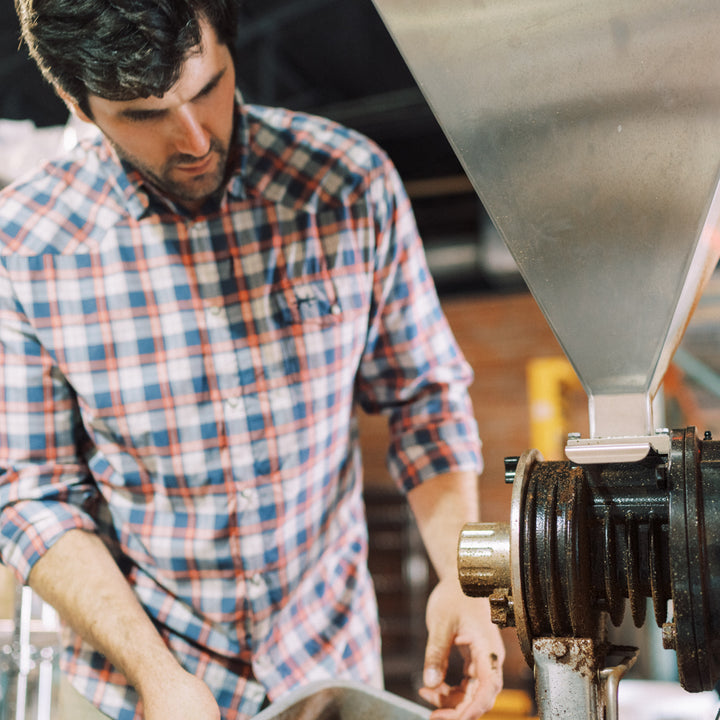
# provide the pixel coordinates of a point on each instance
(190, 310)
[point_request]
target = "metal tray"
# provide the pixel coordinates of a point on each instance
(342, 700)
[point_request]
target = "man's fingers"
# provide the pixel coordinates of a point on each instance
(474, 695)
(437, 653)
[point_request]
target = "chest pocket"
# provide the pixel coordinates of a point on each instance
(307, 304)
(307, 334)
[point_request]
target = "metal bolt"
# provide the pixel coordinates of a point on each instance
(501, 608)
(669, 635)
(511, 464)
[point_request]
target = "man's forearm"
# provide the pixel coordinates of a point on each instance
(441, 507)
(80, 579)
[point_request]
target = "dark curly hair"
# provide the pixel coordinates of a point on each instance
(118, 49)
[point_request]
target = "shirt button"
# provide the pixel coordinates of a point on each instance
(257, 589)
(248, 499)
(255, 692)
(335, 309)
(232, 402)
(216, 316)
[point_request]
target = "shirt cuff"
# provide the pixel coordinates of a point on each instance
(418, 456)
(31, 527)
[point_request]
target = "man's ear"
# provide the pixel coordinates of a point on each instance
(73, 106)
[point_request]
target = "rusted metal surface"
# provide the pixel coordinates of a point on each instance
(579, 655)
(577, 679)
(567, 682)
(556, 564)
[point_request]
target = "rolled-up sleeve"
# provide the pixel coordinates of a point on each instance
(413, 369)
(44, 484)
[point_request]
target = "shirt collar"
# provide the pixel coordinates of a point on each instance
(241, 141)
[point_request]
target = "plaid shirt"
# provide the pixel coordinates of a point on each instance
(187, 388)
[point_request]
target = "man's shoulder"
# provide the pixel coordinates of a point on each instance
(51, 206)
(306, 153)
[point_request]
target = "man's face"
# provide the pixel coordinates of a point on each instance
(180, 141)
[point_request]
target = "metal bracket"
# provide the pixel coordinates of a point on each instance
(574, 681)
(595, 451)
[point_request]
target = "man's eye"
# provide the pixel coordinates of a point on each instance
(143, 116)
(207, 90)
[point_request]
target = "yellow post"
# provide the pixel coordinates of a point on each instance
(548, 379)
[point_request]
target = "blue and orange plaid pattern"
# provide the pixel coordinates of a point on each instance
(187, 387)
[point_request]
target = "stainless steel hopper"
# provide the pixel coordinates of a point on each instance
(591, 132)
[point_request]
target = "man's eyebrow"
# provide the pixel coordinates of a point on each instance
(146, 113)
(141, 113)
(211, 84)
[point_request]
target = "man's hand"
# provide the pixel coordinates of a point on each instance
(453, 619)
(442, 506)
(179, 696)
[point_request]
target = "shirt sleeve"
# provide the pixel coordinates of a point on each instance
(413, 369)
(44, 484)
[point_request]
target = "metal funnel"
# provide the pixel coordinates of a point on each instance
(591, 132)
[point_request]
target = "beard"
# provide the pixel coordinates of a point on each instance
(177, 179)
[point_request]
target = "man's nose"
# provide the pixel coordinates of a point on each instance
(192, 138)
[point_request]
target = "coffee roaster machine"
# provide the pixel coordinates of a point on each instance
(591, 132)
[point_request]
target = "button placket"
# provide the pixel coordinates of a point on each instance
(217, 322)
(257, 590)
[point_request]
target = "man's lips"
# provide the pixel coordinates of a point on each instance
(197, 167)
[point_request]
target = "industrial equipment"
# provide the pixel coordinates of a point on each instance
(591, 132)
(29, 645)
